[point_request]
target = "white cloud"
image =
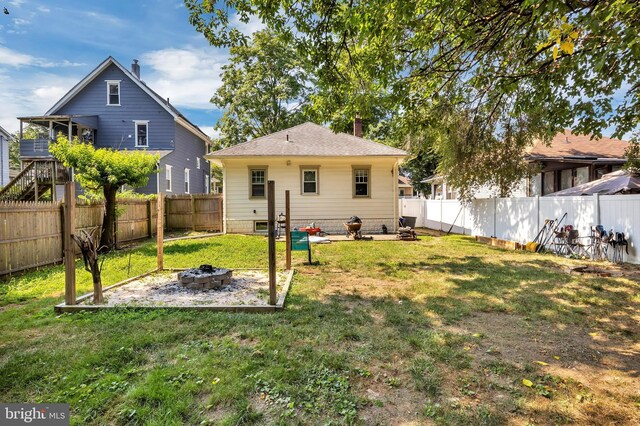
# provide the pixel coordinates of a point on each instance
(188, 76)
(44, 9)
(254, 24)
(210, 131)
(13, 58)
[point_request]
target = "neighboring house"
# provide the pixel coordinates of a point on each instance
(571, 160)
(113, 108)
(330, 176)
(405, 188)
(4, 156)
(567, 161)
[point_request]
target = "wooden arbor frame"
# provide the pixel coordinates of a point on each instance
(71, 303)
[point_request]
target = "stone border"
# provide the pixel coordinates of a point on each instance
(279, 306)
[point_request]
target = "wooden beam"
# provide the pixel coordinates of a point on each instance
(287, 226)
(160, 230)
(271, 226)
(149, 220)
(193, 213)
(69, 252)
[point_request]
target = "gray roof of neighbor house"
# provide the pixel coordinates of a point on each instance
(311, 140)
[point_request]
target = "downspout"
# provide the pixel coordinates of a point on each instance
(224, 197)
(396, 200)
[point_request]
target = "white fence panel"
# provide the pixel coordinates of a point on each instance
(520, 218)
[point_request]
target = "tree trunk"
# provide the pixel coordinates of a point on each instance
(88, 246)
(107, 239)
(97, 283)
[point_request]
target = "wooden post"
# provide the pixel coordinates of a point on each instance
(271, 227)
(54, 180)
(193, 213)
(149, 220)
(69, 252)
(160, 230)
(287, 226)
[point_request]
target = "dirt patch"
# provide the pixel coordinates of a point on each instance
(594, 376)
(163, 289)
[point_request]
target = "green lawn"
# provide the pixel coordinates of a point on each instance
(442, 331)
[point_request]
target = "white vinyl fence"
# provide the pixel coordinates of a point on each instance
(520, 219)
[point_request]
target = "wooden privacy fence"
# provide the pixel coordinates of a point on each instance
(31, 233)
(195, 212)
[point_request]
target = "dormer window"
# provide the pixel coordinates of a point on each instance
(113, 92)
(142, 131)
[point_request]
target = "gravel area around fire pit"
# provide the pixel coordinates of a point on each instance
(247, 287)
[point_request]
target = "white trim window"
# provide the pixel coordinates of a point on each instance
(206, 183)
(361, 182)
(186, 180)
(113, 92)
(167, 174)
(197, 162)
(309, 176)
(142, 133)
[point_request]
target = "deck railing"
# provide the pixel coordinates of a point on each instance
(44, 173)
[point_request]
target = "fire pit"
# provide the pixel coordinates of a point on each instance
(206, 277)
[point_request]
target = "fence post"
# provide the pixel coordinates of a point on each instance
(149, 217)
(160, 231)
(597, 208)
(69, 252)
(271, 226)
(193, 213)
(287, 226)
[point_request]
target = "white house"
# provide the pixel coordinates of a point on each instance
(330, 176)
(4, 156)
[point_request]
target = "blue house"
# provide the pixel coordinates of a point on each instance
(113, 108)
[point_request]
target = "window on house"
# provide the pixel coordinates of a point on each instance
(260, 226)
(186, 181)
(309, 177)
(361, 182)
(206, 183)
(549, 183)
(167, 173)
(197, 162)
(113, 92)
(142, 128)
(258, 182)
(535, 185)
(582, 176)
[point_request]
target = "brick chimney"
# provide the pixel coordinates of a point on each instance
(135, 69)
(357, 126)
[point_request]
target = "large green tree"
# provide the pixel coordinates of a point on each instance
(264, 89)
(488, 76)
(106, 170)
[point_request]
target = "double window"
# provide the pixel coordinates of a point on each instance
(257, 182)
(309, 180)
(113, 92)
(186, 180)
(361, 181)
(142, 131)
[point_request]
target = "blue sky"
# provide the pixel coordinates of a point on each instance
(47, 47)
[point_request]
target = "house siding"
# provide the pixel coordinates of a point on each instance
(188, 148)
(116, 127)
(4, 160)
(329, 209)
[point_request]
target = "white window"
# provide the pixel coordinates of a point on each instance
(142, 132)
(309, 177)
(260, 226)
(113, 92)
(361, 181)
(206, 183)
(258, 182)
(186, 181)
(197, 162)
(167, 173)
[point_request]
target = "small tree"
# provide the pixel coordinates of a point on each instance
(107, 170)
(633, 157)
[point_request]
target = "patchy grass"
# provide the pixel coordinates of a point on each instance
(443, 331)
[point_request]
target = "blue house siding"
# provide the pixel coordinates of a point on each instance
(188, 148)
(4, 159)
(116, 127)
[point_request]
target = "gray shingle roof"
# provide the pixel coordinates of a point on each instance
(308, 139)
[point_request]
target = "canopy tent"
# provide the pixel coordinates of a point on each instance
(619, 182)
